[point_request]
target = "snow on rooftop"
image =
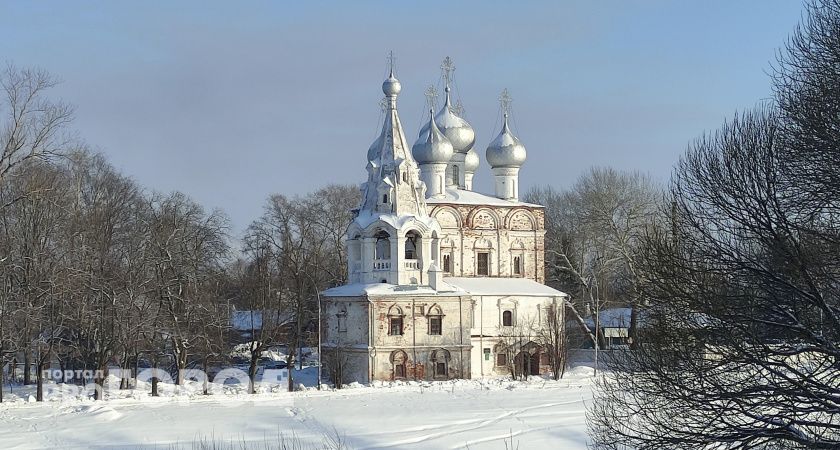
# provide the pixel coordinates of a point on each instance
(452, 286)
(464, 197)
(245, 320)
(612, 317)
(364, 218)
(357, 289)
(502, 286)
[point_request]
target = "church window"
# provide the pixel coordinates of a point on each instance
(455, 175)
(405, 177)
(395, 321)
(447, 264)
(487, 354)
(342, 321)
(411, 245)
(483, 263)
(398, 360)
(507, 319)
(395, 327)
(517, 265)
(384, 198)
(435, 325)
(383, 246)
(435, 320)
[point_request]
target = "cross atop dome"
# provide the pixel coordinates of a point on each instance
(431, 97)
(505, 100)
(392, 62)
(448, 67)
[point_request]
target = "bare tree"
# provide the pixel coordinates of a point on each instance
(592, 234)
(551, 335)
(190, 248)
(745, 289)
(33, 126)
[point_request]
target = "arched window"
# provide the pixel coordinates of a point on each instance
(342, 319)
(507, 318)
(517, 265)
(440, 363)
(456, 176)
(447, 263)
(383, 245)
(405, 177)
(395, 321)
(412, 239)
(384, 198)
(435, 321)
(398, 360)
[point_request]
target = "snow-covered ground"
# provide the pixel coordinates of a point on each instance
(455, 414)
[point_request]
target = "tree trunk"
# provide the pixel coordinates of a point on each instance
(154, 378)
(290, 363)
(99, 377)
(2, 376)
(39, 377)
(252, 372)
(136, 367)
(206, 387)
(62, 365)
(123, 377)
(27, 374)
(634, 322)
(180, 362)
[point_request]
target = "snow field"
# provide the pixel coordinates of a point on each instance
(453, 414)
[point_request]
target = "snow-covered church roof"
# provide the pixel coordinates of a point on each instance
(464, 197)
(451, 286)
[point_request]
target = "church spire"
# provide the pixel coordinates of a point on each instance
(393, 176)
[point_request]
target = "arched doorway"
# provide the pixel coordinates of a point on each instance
(527, 361)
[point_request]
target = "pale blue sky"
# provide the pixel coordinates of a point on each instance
(232, 101)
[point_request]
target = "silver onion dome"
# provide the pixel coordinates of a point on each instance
(471, 161)
(505, 150)
(373, 151)
(391, 87)
(456, 129)
(432, 147)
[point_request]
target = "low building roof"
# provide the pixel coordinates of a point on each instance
(464, 197)
(503, 286)
(451, 286)
(357, 289)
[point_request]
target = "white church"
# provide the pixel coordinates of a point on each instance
(442, 279)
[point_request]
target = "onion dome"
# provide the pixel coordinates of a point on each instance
(391, 87)
(373, 151)
(456, 129)
(471, 161)
(505, 150)
(434, 147)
